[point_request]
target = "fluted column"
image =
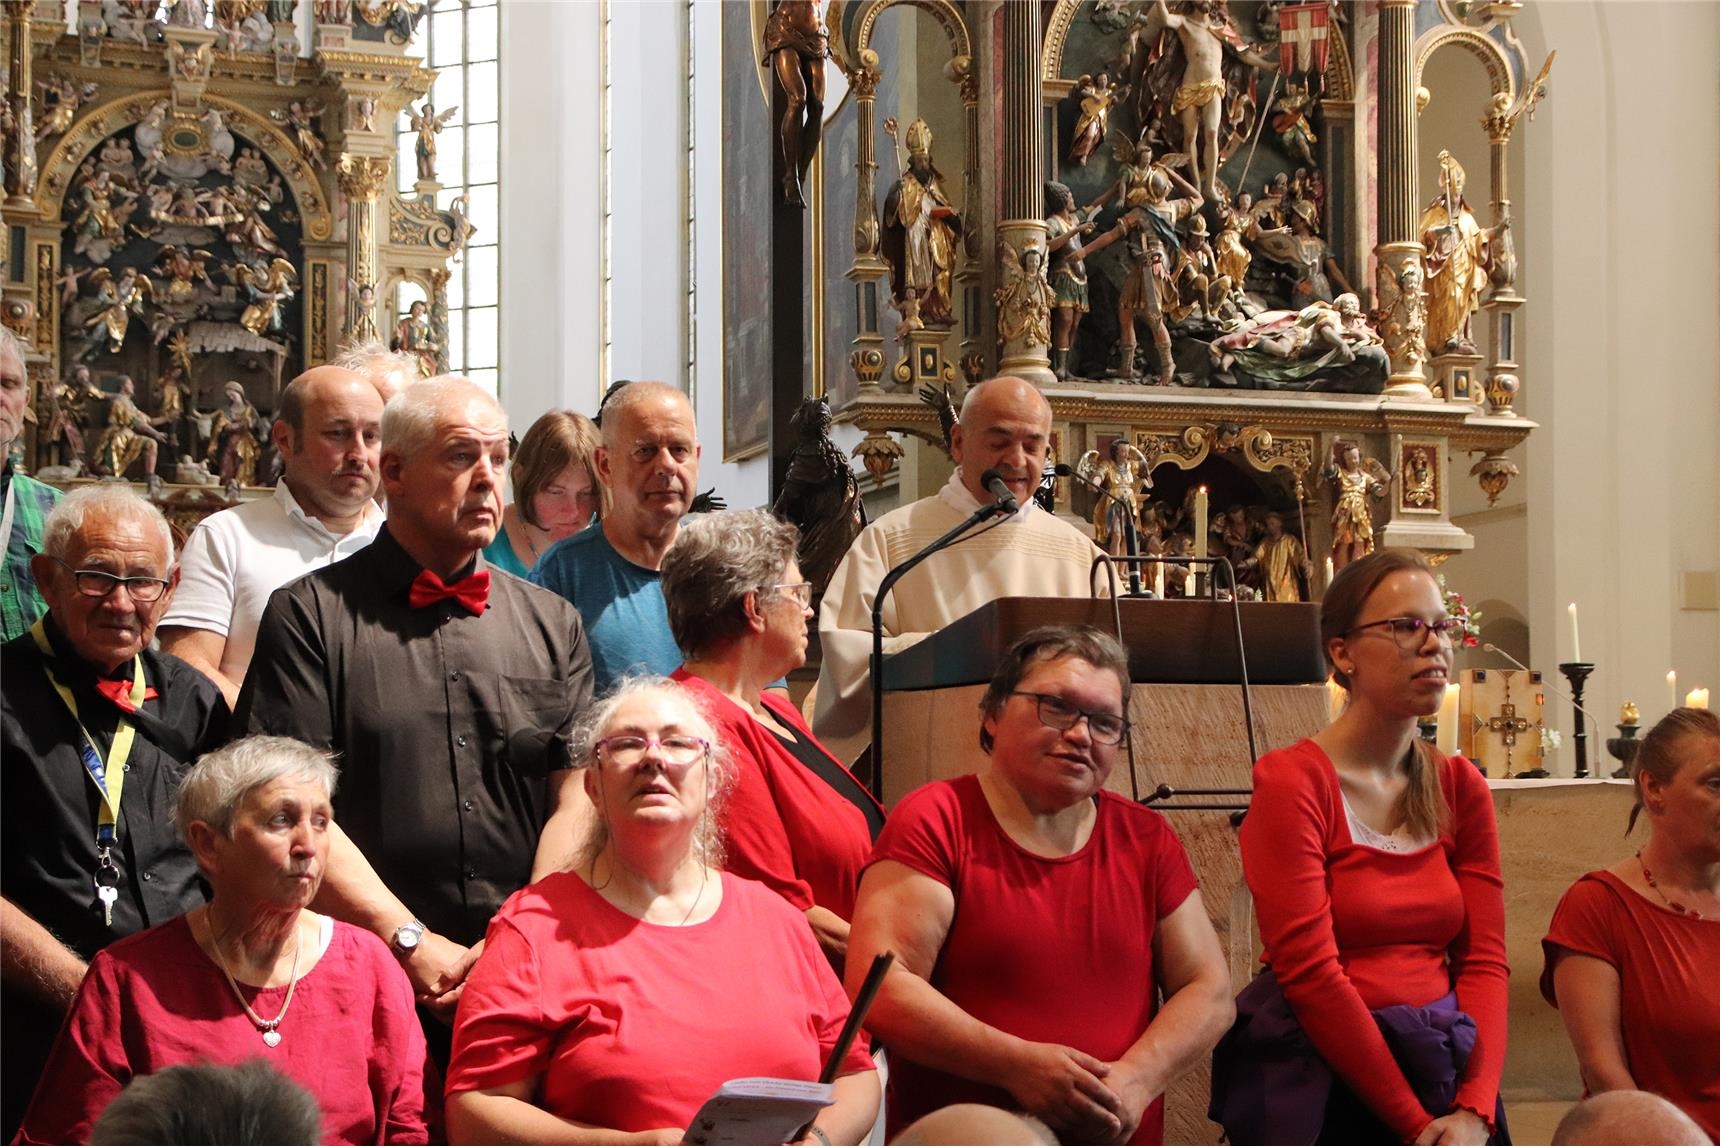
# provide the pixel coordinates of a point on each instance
(1503, 381)
(1400, 273)
(20, 141)
(1023, 294)
(362, 178)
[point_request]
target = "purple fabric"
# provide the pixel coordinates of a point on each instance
(1270, 1086)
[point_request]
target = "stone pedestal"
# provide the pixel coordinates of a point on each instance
(923, 362)
(1458, 377)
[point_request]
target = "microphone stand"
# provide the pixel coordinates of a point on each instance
(1131, 539)
(981, 515)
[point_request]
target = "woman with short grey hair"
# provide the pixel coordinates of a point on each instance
(797, 820)
(254, 973)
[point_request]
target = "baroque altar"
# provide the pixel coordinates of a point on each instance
(200, 203)
(1209, 231)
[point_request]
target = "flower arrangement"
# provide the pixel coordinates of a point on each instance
(1550, 740)
(1456, 606)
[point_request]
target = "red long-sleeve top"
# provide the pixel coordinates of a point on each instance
(1349, 928)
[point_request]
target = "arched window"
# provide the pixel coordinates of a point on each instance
(459, 40)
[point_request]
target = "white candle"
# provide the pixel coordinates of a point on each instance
(1329, 571)
(1696, 698)
(1159, 580)
(1446, 737)
(1201, 522)
(1672, 687)
(1576, 645)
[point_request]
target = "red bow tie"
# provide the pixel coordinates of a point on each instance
(472, 591)
(119, 691)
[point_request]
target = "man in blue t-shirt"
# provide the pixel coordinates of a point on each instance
(611, 572)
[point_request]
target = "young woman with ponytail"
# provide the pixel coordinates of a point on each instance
(1374, 865)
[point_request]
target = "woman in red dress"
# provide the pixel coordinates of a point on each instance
(1632, 950)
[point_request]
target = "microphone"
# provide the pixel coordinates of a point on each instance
(1131, 542)
(994, 483)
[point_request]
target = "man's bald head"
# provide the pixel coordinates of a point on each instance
(388, 370)
(310, 387)
(328, 430)
(1005, 424)
(1628, 1118)
(966, 1123)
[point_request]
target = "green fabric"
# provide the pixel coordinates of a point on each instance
(500, 554)
(20, 603)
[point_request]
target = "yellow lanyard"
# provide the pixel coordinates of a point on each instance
(108, 775)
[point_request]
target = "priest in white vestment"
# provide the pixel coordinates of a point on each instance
(1005, 424)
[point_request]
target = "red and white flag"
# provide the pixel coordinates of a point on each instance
(1302, 44)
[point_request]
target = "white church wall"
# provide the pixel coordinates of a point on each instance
(567, 329)
(1621, 226)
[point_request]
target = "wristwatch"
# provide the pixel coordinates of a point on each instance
(406, 939)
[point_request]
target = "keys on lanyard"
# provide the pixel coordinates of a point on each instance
(107, 884)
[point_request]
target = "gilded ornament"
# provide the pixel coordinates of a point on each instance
(1493, 473)
(878, 451)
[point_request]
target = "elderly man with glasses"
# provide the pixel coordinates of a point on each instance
(96, 730)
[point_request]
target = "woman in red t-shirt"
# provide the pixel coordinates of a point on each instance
(1632, 950)
(614, 998)
(1037, 918)
(1374, 864)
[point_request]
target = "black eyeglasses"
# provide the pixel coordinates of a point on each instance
(95, 583)
(1055, 712)
(1409, 631)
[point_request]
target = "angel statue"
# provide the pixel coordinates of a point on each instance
(1459, 257)
(428, 124)
(117, 300)
(61, 99)
(301, 119)
(1097, 97)
(184, 270)
(1119, 477)
(1352, 521)
(268, 289)
(363, 328)
(128, 435)
(1024, 301)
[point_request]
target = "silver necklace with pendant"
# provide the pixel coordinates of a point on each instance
(268, 1027)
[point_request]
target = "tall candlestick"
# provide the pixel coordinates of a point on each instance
(1672, 687)
(1696, 698)
(1446, 739)
(1576, 644)
(1159, 580)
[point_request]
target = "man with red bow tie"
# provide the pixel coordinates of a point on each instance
(95, 731)
(450, 690)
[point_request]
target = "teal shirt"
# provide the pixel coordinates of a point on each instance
(626, 621)
(500, 554)
(20, 603)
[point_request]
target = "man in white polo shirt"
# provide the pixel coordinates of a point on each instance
(328, 432)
